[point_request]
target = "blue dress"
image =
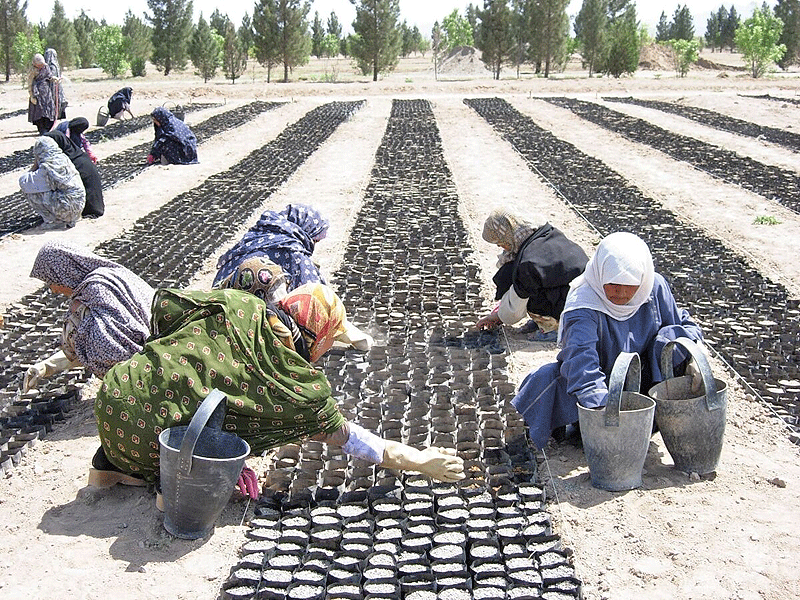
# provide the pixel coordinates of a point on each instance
(592, 340)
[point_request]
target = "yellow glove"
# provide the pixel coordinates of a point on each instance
(46, 368)
(33, 100)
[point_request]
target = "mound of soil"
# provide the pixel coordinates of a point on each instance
(463, 60)
(656, 57)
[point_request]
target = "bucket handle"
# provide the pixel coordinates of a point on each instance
(714, 399)
(211, 411)
(625, 375)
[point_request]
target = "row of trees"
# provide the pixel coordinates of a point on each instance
(279, 35)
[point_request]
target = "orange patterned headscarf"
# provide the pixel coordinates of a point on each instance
(319, 313)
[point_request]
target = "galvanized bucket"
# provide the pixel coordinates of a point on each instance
(692, 425)
(199, 468)
(616, 437)
(102, 116)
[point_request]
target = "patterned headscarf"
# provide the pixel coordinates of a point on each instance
(320, 314)
(115, 322)
(287, 238)
(621, 258)
(51, 58)
(259, 276)
(309, 219)
(507, 229)
(56, 164)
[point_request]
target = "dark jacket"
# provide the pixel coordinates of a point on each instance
(542, 270)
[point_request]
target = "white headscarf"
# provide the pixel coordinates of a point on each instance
(621, 258)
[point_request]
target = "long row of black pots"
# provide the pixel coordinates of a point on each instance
(772, 182)
(718, 120)
(748, 319)
(16, 215)
(167, 247)
(356, 530)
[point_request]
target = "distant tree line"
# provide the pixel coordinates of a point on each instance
(280, 36)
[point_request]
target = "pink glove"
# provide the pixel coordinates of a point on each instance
(248, 483)
(150, 159)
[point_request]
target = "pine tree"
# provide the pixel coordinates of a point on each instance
(219, 22)
(662, 29)
(281, 34)
(12, 20)
(334, 27)
(266, 35)
(712, 35)
(60, 35)
(554, 32)
(729, 28)
(376, 46)
(204, 50)
(497, 39)
(246, 34)
(138, 44)
(234, 58)
(83, 25)
(622, 49)
(682, 27)
(788, 11)
(172, 27)
(317, 35)
(590, 27)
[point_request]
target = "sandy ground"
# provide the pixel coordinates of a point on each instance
(730, 537)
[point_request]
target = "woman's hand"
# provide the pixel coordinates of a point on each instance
(490, 321)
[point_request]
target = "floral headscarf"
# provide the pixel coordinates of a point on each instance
(259, 276)
(113, 302)
(509, 230)
(287, 238)
(319, 313)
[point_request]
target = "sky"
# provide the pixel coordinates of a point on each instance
(421, 13)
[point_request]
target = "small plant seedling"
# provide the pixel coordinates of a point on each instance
(766, 220)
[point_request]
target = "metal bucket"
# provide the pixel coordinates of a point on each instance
(199, 468)
(102, 116)
(175, 109)
(617, 436)
(692, 426)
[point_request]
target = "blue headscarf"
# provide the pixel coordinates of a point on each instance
(287, 238)
(174, 139)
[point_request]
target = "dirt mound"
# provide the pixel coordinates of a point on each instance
(704, 63)
(656, 57)
(462, 60)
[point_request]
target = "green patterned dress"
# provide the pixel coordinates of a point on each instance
(203, 340)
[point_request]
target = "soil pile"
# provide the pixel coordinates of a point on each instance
(463, 60)
(656, 57)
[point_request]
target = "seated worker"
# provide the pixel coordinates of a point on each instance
(120, 103)
(534, 272)
(74, 129)
(53, 186)
(261, 356)
(619, 304)
(287, 239)
(108, 319)
(95, 206)
(174, 144)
